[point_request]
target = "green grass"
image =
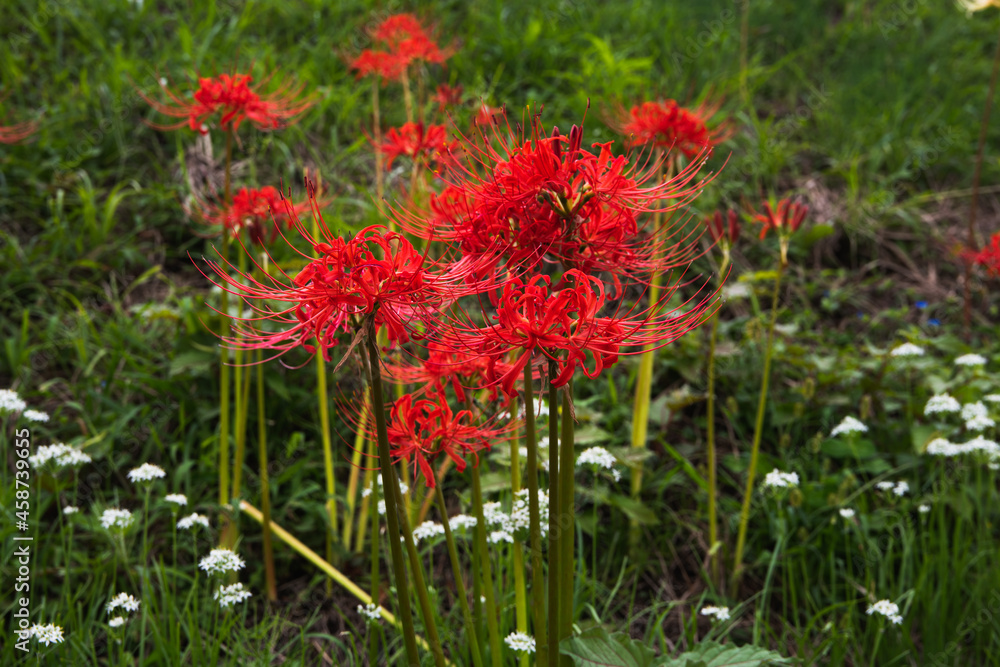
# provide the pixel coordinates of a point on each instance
(864, 109)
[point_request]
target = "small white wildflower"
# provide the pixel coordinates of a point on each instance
(981, 444)
(973, 410)
(907, 350)
(902, 488)
(942, 447)
(116, 518)
(888, 609)
(847, 513)
(370, 612)
(924, 509)
(35, 415)
(70, 509)
(427, 530)
(381, 507)
(970, 360)
(117, 622)
(365, 492)
(980, 423)
(498, 536)
(520, 642)
(941, 403)
(47, 634)
(992, 398)
(147, 472)
(849, 425)
(10, 401)
(718, 614)
(779, 479)
(177, 498)
(598, 457)
(885, 486)
(125, 601)
(230, 595)
(192, 520)
(462, 522)
(163, 81)
(219, 561)
(59, 455)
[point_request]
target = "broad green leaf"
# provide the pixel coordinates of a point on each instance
(710, 654)
(596, 648)
(634, 509)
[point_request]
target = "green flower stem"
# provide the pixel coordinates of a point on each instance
(713, 521)
(265, 486)
(758, 430)
(224, 329)
(567, 490)
(367, 503)
(241, 382)
(419, 584)
(352, 482)
(534, 521)
(372, 635)
(324, 425)
(555, 530)
(456, 569)
(391, 507)
(492, 625)
(520, 590)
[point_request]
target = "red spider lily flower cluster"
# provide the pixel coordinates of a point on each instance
(259, 211)
(988, 256)
(670, 126)
(723, 229)
(567, 327)
(487, 115)
(422, 429)
(12, 134)
(448, 96)
(785, 218)
(401, 41)
(375, 273)
(418, 142)
(444, 366)
(552, 200)
(233, 100)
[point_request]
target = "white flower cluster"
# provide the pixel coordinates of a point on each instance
(46, 634)
(178, 499)
(979, 444)
(10, 401)
(192, 520)
(219, 561)
(427, 530)
(907, 350)
(147, 472)
(898, 488)
(924, 509)
(462, 522)
(116, 518)
(59, 455)
(520, 642)
(971, 360)
(847, 513)
(598, 457)
(888, 609)
(125, 601)
(941, 403)
(777, 479)
(116, 622)
(403, 489)
(977, 417)
(520, 516)
(230, 595)
(370, 612)
(35, 416)
(70, 509)
(718, 614)
(850, 426)
(992, 398)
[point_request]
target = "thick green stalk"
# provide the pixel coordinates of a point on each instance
(271, 583)
(419, 585)
(456, 569)
(556, 535)
(372, 634)
(567, 490)
(520, 590)
(391, 506)
(758, 430)
(366, 503)
(713, 523)
(534, 522)
(352, 482)
(492, 625)
(331, 481)
(241, 383)
(224, 389)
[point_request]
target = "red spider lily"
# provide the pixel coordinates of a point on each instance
(375, 273)
(448, 96)
(551, 199)
(260, 211)
(988, 256)
(723, 230)
(13, 134)
(668, 125)
(416, 141)
(402, 41)
(234, 100)
(785, 218)
(566, 326)
(487, 115)
(389, 66)
(423, 428)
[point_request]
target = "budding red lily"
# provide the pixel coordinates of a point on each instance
(448, 96)
(724, 232)
(785, 218)
(233, 99)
